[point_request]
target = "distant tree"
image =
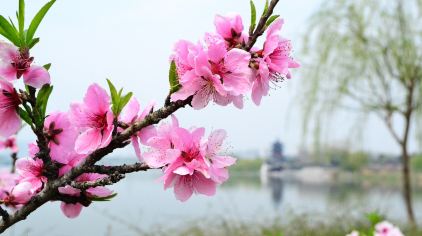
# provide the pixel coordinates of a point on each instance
(366, 56)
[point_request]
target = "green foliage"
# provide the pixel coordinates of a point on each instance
(103, 199)
(416, 163)
(42, 99)
(173, 78)
(36, 21)
(271, 20)
(118, 100)
(18, 35)
(246, 165)
(253, 17)
(25, 116)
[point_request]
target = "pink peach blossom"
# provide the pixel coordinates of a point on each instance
(10, 121)
(274, 62)
(217, 75)
(14, 64)
(61, 135)
(231, 29)
(190, 163)
(93, 119)
(387, 229)
(31, 170)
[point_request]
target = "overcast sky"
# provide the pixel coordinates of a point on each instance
(130, 42)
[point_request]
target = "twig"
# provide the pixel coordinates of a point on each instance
(123, 169)
(260, 29)
(14, 157)
(109, 180)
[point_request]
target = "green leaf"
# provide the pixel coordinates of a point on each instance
(253, 17)
(374, 218)
(103, 199)
(8, 31)
(47, 66)
(123, 101)
(21, 17)
(42, 99)
(25, 116)
(37, 20)
(271, 20)
(33, 42)
(173, 78)
(113, 92)
(265, 8)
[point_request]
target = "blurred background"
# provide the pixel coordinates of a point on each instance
(324, 149)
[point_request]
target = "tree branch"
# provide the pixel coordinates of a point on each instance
(260, 29)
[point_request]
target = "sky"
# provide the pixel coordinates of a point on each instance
(130, 43)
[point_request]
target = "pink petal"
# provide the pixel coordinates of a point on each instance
(147, 133)
(36, 76)
(223, 161)
(8, 52)
(71, 210)
(135, 143)
(22, 192)
(183, 188)
(68, 190)
(131, 111)
(203, 185)
(183, 170)
(8, 72)
(97, 99)
(99, 191)
(215, 141)
(10, 122)
(88, 141)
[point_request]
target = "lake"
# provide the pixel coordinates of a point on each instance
(142, 205)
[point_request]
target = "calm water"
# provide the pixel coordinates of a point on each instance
(142, 205)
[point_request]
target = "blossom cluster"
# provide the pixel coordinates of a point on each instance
(219, 69)
(223, 67)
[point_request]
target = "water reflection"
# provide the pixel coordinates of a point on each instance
(142, 204)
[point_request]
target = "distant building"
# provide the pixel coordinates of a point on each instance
(277, 151)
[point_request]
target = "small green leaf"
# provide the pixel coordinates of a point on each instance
(113, 93)
(21, 17)
(25, 116)
(33, 42)
(271, 20)
(173, 78)
(8, 31)
(37, 20)
(123, 101)
(374, 218)
(253, 17)
(42, 99)
(103, 199)
(265, 8)
(47, 66)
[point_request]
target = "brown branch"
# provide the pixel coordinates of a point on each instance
(260, 29)
(109, 180)
(123, 169)
(14, 157)
(119, 141)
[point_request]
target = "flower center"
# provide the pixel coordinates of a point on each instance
(189, 155)
(11, 100)
(22, 63)
(52, 132)
(100, 121)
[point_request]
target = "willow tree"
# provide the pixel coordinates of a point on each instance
(367, 55)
